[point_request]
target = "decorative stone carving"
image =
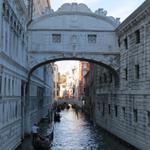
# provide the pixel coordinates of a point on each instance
(72, 7)
(101, 12)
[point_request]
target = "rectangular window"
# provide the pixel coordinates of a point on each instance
(109, 109)
(137, 34)
(126, 73)
(137, 71)
(119, 44)
(92, 38)
(148, 117)
(135, 113)
(116, 110)
(56, 38)
(126, 43)
(123, 112)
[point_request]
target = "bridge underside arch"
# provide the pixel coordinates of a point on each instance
(109, 61)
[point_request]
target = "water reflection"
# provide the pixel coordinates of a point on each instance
(74, 132)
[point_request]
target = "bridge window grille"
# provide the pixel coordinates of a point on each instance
(56, 38)
(135, 113)
(92, 38)
(148, 116)
(137, 34)
(126, 43)
(137, 71)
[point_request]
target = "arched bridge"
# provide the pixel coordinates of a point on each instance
(70, 101)
(74, 32)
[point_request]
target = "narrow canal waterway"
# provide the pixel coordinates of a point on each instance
(75, 132)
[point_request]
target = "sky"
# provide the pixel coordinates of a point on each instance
(117, 8)
(66, 66)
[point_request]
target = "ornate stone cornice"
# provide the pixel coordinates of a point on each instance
(137, 16)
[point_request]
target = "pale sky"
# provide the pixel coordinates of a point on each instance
(66, 66)
(117, 8)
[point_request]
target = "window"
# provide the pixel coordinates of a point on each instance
(56, 38)
(126, 43)
(116, 110)
(110, 78)
(119, 44)
(126, 73)
(148, 116)
(123, 112)
(137, 35)
(137, 71)
(92, 38)
(109, 109)
(135, 113)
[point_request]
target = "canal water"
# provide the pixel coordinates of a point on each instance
(75, 132)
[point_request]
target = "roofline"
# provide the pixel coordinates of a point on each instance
(106, 18)
(133, 15)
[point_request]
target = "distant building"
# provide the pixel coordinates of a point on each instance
(83, 69)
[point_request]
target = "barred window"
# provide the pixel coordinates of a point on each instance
(126, 73)
(126, 43)
(148, 116)
(137, 34)
(56, 38)
(92, 38)
(135, 115)
(137, 71)
(124, 112)
(116, 110)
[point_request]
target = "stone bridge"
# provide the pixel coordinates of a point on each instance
(74, 32)
(70, 101)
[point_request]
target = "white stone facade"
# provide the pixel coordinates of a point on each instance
(14, 76)
(74, 31)
(124, 109)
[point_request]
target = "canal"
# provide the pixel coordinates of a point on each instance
(75, 132)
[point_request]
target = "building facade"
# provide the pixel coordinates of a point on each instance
(120, 103)
(18, 111)
(122, 108)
